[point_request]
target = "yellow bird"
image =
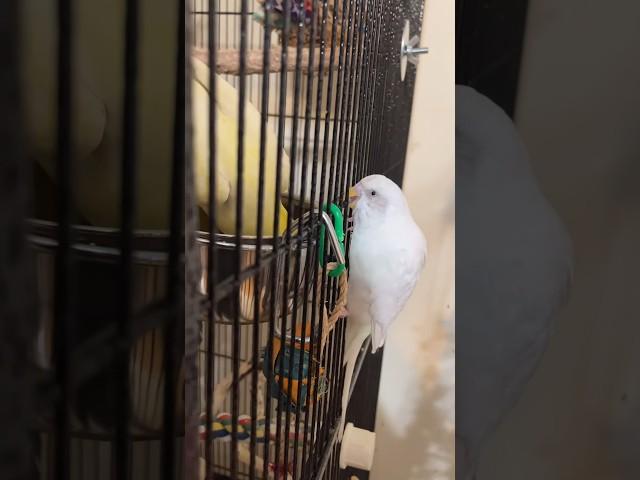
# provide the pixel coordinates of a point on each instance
(227, 157)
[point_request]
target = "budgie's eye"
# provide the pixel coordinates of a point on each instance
(373, 193)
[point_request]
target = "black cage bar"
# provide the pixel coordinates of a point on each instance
(109, 271)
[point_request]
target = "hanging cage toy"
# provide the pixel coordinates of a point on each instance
(282, 365)
(301, 13)
(287, 365)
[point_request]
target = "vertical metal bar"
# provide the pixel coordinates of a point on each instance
(336, 461)
(318, 413)
(347, 165)
(194, 6)
(372, 89)
(281, 128)
(127, 213)
(174, 329)
(235, 398)
(283, 331)
(337, 399)
(347, 97)
(375, 89)
(338, 126)
(315, 450)
(333, 375)
(260, 222)
(222, 337)
(228, 333)
(354, 118)
(338, 109)
(349, 175)
(211, 248)
(341, 339)
(292, 212)
(276, 237)
(373, 24)
(380, 103)
(276, 257)
(64, 174)
(18, 310)
(314, 349)
(344, 99)
(366, 147)
(357, 122)
(363, 94)
(308, 259)
(330, 463)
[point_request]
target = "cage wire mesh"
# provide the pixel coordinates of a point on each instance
(110, 296)
(111, 299)
(271, 353)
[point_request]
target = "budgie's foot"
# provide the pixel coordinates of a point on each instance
(342, 312)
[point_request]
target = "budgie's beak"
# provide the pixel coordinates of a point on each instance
(353, 196)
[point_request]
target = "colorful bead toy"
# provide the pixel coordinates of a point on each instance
(221, 428)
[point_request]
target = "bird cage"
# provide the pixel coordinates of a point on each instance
(318, 73)
(189, 254)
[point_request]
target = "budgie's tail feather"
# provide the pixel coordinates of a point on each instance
(356, 334)
(377, 336)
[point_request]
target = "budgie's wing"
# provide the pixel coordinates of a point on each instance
(377, 294)
(389, 298)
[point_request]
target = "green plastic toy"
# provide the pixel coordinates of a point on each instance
(338, 225)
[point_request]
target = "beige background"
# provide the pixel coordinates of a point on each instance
(578, 113)
(416, 404)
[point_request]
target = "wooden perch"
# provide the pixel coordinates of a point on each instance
(228, 60)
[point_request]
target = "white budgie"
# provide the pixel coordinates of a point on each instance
(387, 254)
(513, 269)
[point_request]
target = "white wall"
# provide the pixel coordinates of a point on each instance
(578, 112)
(415, 418)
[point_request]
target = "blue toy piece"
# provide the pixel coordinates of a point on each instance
(281, 367)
